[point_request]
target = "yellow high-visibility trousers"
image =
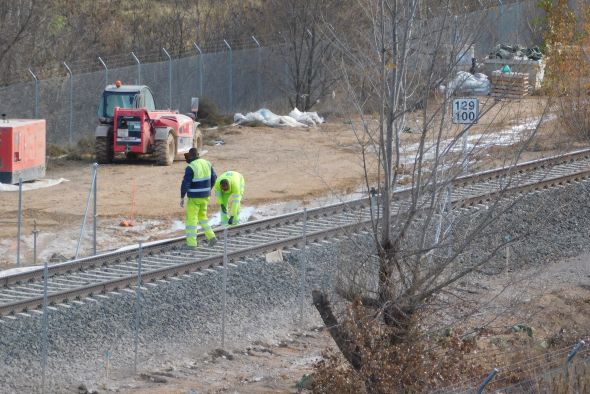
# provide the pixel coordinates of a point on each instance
(196, 211)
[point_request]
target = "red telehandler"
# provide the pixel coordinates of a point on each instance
(130, 123)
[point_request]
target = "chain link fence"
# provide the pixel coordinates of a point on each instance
(234, 80)
(236, 76)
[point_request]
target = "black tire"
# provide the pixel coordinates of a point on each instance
(103, 149)
(165, 151)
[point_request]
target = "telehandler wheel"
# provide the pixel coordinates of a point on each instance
(165, 151)
(103, 149)
(198, 140)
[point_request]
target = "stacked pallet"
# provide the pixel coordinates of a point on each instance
(510, 85)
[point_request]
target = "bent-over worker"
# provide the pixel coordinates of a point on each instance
(199, 178)
(229, 190)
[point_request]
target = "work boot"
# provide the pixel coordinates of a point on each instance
(190, 247)
(212, 242)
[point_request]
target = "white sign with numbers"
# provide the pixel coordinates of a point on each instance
(465, 110)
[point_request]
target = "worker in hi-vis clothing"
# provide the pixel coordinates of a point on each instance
(229, 190)
(199, 178)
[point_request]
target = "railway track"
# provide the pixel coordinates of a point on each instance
(69, 282)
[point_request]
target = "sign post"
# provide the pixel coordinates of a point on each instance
(465, 111)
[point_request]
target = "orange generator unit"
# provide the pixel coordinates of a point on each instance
(22, 150)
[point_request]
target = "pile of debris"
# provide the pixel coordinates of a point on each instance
(515, 52)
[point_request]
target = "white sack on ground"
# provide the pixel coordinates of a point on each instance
(308, 118)
(466, 83)
(268, 118)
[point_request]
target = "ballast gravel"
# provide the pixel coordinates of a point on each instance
(182, 319)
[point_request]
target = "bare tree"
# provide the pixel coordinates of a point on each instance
(306, 52)
(15, 21)
(423, 248)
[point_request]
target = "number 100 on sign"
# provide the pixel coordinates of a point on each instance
(465, 110)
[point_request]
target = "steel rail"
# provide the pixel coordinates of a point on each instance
(195, 263)
(126, 254)
(216, 261)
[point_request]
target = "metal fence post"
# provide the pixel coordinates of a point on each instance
(444, 208)
(95, 167)
(373, 204)
(106, 71)
(224, 288)
(71, 99)
(287, 80)
(36, 111)
(137, 309)
(44, 328)
(507, 238)
(35, 232)
(230, 80)
(19, 220)
(95, 207)
(259, 71)
(138, 68)
(303, 268)
(200, 68)
(499, 24)
(487, 380)
(464, 150)
(169, 77)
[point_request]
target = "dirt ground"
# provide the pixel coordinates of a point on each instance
(285, 169)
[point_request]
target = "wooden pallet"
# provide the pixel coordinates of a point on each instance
(509, 85)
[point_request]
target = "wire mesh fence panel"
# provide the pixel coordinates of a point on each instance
(237, 80)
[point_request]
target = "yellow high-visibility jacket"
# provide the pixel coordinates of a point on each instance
(233, 196)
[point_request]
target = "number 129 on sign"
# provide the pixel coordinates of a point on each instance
(465, 110)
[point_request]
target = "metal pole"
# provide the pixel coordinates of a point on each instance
(487, 381)
(465, 155)
(286, 76)
(137, 309)
(498, 25)
(303, 268)
(287, 80)
(36, 112)
(373, 198)
(507, 256)
(95, 188)
(138, 68)
(200, 68)
(169, 77)
(106, 71)
(71, 100)
(19, 220)
(44, 328)
(224, 288)
(444, 208)
(259, 71)
(230, 81)
(35, 232)
(507, 239)
(95, 166)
